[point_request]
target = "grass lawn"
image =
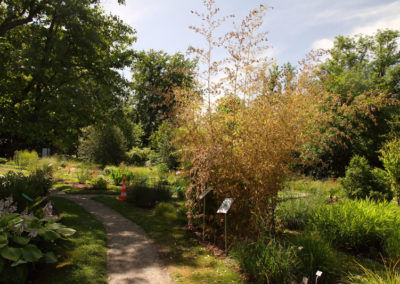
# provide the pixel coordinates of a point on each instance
(187, 261)
(82, 259)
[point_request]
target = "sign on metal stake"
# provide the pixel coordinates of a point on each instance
(223, 209)
(202, 196)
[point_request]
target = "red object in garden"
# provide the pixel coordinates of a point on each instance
(123, 192)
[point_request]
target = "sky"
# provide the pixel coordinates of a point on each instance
(294, 26)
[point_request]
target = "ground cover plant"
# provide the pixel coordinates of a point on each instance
(27, 240)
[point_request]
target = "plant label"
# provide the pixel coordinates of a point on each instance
(205, 192)
(225, 206)
(319, 273)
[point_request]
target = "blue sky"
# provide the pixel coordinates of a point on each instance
(294, 26)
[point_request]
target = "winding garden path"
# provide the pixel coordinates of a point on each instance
(131, 256)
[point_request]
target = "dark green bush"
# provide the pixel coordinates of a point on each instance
(16, 184)
(3, 160)
(362, 182)
(138, 156)
(266, 261)
(360, 226)
(102, 145)
(146, 196)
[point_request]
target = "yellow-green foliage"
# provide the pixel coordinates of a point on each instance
(390, 156)
(26, 159)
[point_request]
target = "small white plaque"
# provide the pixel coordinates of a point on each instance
(319, 273)
(305, 280)
(205, 192)
(224, 208)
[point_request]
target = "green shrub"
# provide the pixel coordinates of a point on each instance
(26, 239)
(314, 255)
(22, 188)
(163, 168)
(359, 225)
(3, 160)
(266, 261)
(164, 209)
(161, 142)
(390, 157)
(103, 145)
(100, 183)
(146, 196)
(138, 156)
(82, 175)
(26, 159)
(116, 176)
(361, 182)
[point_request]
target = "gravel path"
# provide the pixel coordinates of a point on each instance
(131, 256)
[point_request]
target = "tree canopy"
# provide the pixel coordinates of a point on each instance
(359, 66)
(156, 75)
(60, 62)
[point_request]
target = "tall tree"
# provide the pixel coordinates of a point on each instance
(156, 75)
(357, 66)
(61, 59)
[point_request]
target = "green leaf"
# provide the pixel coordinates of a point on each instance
(66, 232)
(54, 226)
(20, 240)
(27, 197)
(51, 235)
(10, 253)
(31, 253)
(3, 240)
(50, 257)
(18, 262)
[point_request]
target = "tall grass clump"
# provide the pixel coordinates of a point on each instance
(266, 261)
(26, 159)
(314, 255)
(294, 214)
(391, 275)
(83, 174)
(360, 226)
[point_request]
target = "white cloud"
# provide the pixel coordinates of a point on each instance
(392, 22)
(133, 12)
(380, 11)
(324, 43)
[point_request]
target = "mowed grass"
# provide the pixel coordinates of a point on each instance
(187, 261)
(82, 259)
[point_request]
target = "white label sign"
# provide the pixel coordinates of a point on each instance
(224, 208)
(205, 192)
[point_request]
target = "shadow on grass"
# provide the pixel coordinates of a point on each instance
(82, 259)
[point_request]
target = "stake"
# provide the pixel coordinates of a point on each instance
(204, 216)
(226, 225)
